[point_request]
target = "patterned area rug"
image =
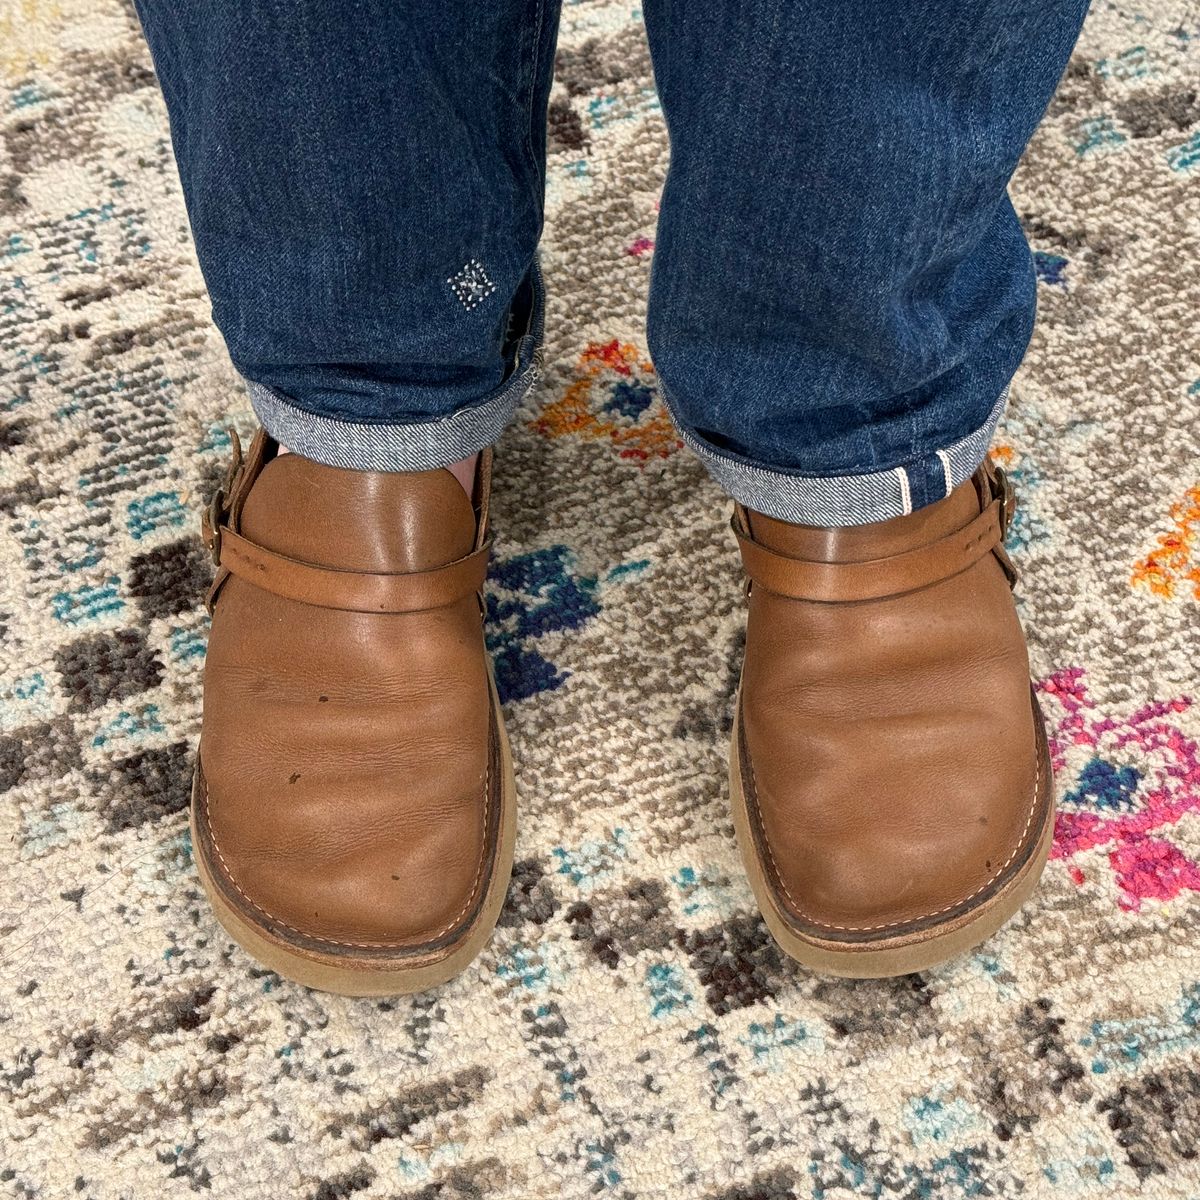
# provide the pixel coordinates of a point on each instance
(631, 1031)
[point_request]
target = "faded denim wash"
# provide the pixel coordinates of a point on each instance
(841, 290)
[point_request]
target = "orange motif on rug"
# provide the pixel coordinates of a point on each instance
(613, 396)
(1171, 564)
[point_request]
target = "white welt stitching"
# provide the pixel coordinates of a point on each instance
(1037, 790)
(487, 797)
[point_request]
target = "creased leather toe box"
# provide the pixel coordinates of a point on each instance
(349, 796)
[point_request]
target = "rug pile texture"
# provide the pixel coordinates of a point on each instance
(631, 1031)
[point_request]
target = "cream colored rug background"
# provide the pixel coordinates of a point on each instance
(631, 1032)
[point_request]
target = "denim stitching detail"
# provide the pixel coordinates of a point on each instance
(947, 472)
(832, 500)
(413, 445)
(905, 491)
(967, 453)
(472, 284)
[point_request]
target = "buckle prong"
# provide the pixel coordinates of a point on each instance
(210, 525)
(219, 506)
(1004, 491)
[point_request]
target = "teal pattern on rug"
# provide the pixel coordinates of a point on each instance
(631, 1032)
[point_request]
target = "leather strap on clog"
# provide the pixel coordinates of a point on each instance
(875, 579)
(349, 591)
(309, 583)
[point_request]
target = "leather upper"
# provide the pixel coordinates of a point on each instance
(889, 745)
(347, 755)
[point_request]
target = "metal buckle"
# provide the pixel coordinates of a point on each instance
(217, 510)
(210, 524)
(1004, 491)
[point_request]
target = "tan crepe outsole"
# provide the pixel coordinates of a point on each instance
(363, 976)
(911, 952)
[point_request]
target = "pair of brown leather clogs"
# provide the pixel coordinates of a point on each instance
(353, 812)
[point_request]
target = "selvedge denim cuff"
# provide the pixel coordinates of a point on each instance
(404, 446)
(838, 500)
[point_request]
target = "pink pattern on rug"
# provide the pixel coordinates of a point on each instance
(1167, 762)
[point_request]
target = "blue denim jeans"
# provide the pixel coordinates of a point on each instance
(841, 290)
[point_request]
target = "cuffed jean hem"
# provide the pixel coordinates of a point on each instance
(416, 446)
(407, 445)
(839, 500)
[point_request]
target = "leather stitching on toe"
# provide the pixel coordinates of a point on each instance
(487, 798)
(799, 909)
